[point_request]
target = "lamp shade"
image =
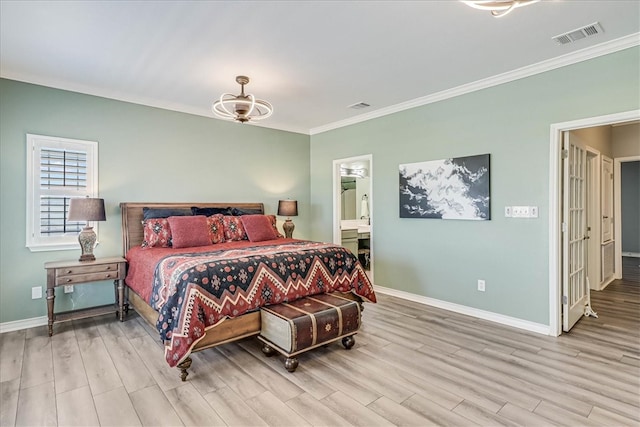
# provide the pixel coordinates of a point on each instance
(288, 208)
(86, 209)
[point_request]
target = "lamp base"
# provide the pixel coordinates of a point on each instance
(288, 228)
(87, 239)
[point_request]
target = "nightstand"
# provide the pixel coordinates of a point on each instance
(61, 273)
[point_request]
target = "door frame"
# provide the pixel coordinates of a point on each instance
(555, 204)
(337, 203)
(593, 218)
(617, 210)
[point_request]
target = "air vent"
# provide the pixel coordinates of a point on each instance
(359, 106)
(580, 33)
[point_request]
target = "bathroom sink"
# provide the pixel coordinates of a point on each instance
(364, 228)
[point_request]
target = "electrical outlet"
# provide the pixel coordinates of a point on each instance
(507, 211)
(481, 285)
(36, 292)
(68, 289)
(520, 212)
(533, 212)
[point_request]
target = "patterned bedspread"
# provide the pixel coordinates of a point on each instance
(194, 292)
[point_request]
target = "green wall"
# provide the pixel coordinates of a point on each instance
(145, 154)
(150, 154)
(444, 259)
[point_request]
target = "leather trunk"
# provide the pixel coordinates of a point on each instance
(309, 322)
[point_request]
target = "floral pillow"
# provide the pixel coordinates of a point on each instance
(215, 225)
(233, 228)
(274, 224)
(157, 233)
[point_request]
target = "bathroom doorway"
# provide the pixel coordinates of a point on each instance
(353, 207)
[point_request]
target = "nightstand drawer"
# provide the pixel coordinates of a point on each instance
(88, 277)
(85, 269)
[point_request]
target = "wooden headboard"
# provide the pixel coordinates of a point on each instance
(132, 232)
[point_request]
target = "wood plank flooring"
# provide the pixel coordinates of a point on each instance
(412, 365)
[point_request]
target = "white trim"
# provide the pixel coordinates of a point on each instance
(551, 64)
(631, 254)
(607, 283)
(18, 325)
(469, 311)
(617, 211)
(35, 143)
(555, 281)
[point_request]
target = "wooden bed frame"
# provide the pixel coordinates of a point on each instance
(230, 330)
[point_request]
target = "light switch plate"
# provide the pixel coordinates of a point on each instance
(36, 292)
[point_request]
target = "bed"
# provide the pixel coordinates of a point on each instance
(203, 296)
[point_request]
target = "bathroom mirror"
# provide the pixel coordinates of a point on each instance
(354, 188)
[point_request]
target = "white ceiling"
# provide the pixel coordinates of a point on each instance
(310, 59)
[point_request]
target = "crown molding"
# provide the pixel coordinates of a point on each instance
(585, 54)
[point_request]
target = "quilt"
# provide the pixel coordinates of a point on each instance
(193, 292)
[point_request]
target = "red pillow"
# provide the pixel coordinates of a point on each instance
(274, 224)
(189, 231)
(258, 228)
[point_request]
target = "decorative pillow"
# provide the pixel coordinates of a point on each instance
(215, 225)
(157, 233)
(233, 228)
(258, 228)
(240, 212)
(189, 231)
(149, 213)
(274, 224)
(210, 211)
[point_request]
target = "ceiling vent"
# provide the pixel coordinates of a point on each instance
(359, 105)
(580, 33)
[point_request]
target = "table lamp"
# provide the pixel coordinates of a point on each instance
(86, 209)
(288, 208)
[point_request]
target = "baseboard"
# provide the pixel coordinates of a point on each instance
(607, 283)
(18, 325)
(631, 254)
(456, 308)
(469, 311)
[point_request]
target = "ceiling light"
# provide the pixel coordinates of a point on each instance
(241, 107)
(498, 8)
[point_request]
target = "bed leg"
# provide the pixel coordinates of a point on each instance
(183, 366)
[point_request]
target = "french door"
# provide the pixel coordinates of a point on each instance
(574, 236)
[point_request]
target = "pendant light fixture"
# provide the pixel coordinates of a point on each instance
(498, 8)
(241, 108)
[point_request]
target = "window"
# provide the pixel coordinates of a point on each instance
(57, 170)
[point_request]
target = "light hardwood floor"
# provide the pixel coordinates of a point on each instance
(412, 365)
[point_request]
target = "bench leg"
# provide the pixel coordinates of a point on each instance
(348, 342)
(267, 350)
(291, 364)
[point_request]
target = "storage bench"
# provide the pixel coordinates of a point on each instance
(294, 327)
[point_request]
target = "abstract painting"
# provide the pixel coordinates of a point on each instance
(455, 188)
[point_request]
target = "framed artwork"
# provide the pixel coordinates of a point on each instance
(455, 188)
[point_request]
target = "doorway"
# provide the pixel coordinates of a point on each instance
(557, 228)
(353, 208)
(627, 227)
